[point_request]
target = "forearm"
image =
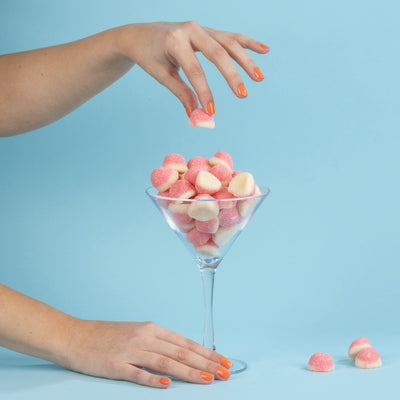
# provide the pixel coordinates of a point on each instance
(40, 86)
(32, 327)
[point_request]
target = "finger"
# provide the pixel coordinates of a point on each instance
(216, 53)
(131, 373)
(181, 341)
(188, 358)
(237, 52)
(168, 366)
(192, 69)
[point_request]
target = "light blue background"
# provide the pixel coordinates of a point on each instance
(316, 268)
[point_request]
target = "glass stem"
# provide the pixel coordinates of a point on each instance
(208, 274)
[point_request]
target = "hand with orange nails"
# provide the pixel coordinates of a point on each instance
(166, 47)
(43, 85)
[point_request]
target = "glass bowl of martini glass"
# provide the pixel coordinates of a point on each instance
(208, 228)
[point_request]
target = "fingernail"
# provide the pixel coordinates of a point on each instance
(165, 381)
(206, 376)
(187, 112)
(258, 73)
(223, 373)
(242, 90)
(264, 46)
(211, 107)
(225, 362)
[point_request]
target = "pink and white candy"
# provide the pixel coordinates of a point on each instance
(224, 235)
(197, 238)
(182, 189)
(229, 217)
(242, 185)
(209, 249)
(358, 345)
(191, 174)
(176, 162)
(210, 226)
(223, 174)
(203, 210)
(207, 183)
(162, 178)
(222, 158)
(179, 213)
(368, 358)
(199, 161)
(199, 118)
(320, 362)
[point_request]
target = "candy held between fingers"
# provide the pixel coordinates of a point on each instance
(358, 345)
(242, 185)
(368, 358)
(162, 178)
(222, 158)
(320, 362)
(199, 118)
(207, 183)
(176, 162)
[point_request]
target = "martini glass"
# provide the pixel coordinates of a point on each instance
(226, 218)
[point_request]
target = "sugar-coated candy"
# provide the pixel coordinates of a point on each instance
(185, 228)
(203, 210)
(179, 213)
(182, 189)
(164, 203)
(242, 185)
(222, 158)
(321, 362)
(207, 183)
(223, 173)
(197, 238)
(229, 217)
(162, 178)
(198, 161)
(357, 345)
(368, 358)
(201, 119)
(224, 235)
(246, 207)
(209, 249)
(210, 226)
(224, 194)
(176, 162)
(192, 173)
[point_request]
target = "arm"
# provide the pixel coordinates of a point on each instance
(40, 86)
(115, 350)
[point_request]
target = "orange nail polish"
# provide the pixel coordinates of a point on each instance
(264, 46)
(258, 73)
(242, 90)
(211, 108)
(165, 381)
(225, 362)
(206, 376)
(223, 373)
(187, 112)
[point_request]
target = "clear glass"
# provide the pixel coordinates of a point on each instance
(208, 228)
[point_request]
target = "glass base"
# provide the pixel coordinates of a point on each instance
(237, 366)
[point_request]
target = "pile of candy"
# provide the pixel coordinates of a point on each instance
(211, 221)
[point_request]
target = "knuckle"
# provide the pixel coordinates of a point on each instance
(149, 326)
(137, 374)
(191, 25)
(163, 363)
(181, 355)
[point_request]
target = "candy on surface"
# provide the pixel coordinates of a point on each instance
(210, 226)
(162, 178)
(246, 207)
(199, 118)
(203, 210)
(222, 157)
(198, 161)
(224, 194)
(197, 238)
(185, 228)
(176, 162)
(229, 217)
(179, 213)
(222, 173)
(321, 362)
(207, 183)
(242, 185)
(368, 358)
(224, 235)
(192, 173)
(357, 345)
(182, 189)
(163, 203)
(209, 249)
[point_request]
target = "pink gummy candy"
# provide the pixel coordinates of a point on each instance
(368, 358)
(201, 119)
(222, 157)
(163, 178)
(357, 345)
(321, 362)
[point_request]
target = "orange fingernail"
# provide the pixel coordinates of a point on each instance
(223, 373)
(165, 381)
(206, 376)
(187, 112)
(225, 362)
(211, 108)
(258, 73)
(242, 90)
(264, 46)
